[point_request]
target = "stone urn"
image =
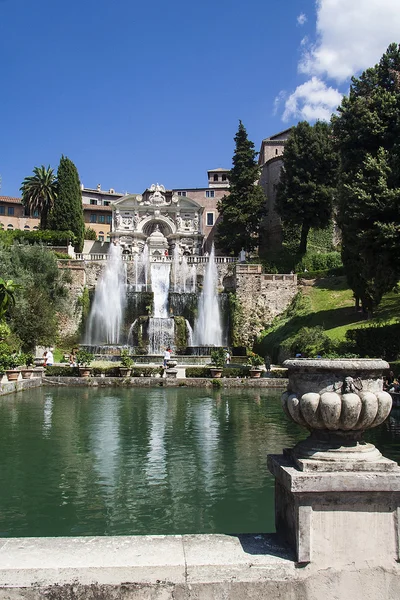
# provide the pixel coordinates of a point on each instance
(337, 400)
(216, 372)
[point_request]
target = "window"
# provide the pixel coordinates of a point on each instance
(210, 193)
(108, 219)
(106, 203)
(93, 218)
(215, 177)
(26, 211)
(2, 210)
(276, 151)
(26, 227)
(93, 201)
(36, 213)
(182, 193)
(210, 219)
(102, 219)
(36, 227)
(101, 236)
(10, 226)
(224, 178)
(10, 211)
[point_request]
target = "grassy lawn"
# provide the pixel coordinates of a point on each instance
(329, 303)
(332, 306)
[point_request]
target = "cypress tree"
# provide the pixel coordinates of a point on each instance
(242, 210)
(67, 213)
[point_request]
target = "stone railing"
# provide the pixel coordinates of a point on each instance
(130, 257)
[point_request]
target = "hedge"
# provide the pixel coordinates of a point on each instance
(41, 236)
(206, 372)
(382, 341)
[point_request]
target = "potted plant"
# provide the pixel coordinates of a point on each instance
(218, 362)
(83, 360)
(126, 363)
(11, 365)
(255, 362)
(26, 359)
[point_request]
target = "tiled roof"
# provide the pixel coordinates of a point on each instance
(10, 200)
(219, 170)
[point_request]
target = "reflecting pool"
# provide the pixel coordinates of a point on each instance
(79, 461)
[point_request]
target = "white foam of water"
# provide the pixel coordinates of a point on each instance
(208, 329)
(107, 312)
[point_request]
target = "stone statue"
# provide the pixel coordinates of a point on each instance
(178, 221)
(196, 222)
(117, 219)
(136, 219)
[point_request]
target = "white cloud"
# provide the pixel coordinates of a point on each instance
(301, 19)
(351, 36)
(313, 100)
(278, 100)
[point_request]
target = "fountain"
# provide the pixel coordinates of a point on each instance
(107, 312)
(208, 329)
(155, 309)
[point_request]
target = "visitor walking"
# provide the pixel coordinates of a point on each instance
(227, 357)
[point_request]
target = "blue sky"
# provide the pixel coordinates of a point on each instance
(138, 93)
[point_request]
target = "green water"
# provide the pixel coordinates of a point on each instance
(141, 461)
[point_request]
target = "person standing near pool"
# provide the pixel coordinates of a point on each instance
(49, 358)
(167, 356)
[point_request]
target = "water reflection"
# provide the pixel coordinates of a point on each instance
(141, 461)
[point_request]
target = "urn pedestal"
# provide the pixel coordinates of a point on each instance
(337, 498)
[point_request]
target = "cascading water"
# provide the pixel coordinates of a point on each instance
(161, 327)
(107, 312)
(208, 328)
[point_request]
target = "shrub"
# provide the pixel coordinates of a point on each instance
(376, 340)
(218, 358)
(254, 360)
(126, 360)
(84, 358)
(66, 371)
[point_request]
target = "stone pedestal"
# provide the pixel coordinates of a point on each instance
(337, 499)
(337, 518)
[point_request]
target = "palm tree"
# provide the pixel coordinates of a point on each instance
(39, 192)
(7, 299)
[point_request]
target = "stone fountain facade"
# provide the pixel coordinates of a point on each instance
(175, 219)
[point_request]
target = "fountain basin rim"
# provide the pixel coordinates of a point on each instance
(336, 364)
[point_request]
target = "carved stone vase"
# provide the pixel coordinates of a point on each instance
(337, 401)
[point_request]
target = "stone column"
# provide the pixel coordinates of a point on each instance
(337, 499)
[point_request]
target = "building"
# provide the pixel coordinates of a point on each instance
(100, 206)
(13, 215)
(271, 162)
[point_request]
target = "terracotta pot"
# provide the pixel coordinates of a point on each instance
(26, 373)
(216, 373)
(85, 371)
(255, 373)
(12, 374)
(125, 371)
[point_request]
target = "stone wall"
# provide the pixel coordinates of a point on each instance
(260, 298)
(71, 315)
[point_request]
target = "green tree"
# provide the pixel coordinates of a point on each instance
(367, 130)
(308, 179)
(42, 292)
(7, 298)
(242, 210)
(39, 192)
(67, 213)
